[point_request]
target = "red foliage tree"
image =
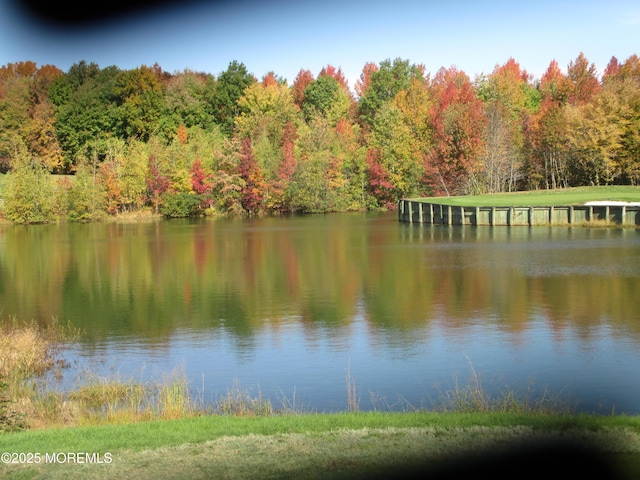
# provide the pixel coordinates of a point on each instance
(157, 183)
(585, 81)
(554, 85)
(200, 181)
(269, 79)
(379, 183)
(458, 121)
(300, 84)
(252, 194)
(336, 74)
(362, 85)
(286, 169)
(612, 69)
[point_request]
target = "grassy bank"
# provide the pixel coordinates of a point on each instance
(349, 445)
(568, 196)
(110, 428)
(113, 428)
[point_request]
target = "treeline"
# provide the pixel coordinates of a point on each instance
(191, 143)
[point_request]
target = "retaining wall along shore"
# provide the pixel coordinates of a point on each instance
(414, 211)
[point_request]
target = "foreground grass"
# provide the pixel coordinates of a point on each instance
(567, 196)
(347, 445)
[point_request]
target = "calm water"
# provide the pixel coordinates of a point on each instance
(286, 306)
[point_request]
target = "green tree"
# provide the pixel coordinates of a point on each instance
(85, 109)
(230, 86)
(140, 100)
(86, 196)
(384, 84)
(326, 97)
(187, 96)
(351, 156)
(394, 141)
(317, 179)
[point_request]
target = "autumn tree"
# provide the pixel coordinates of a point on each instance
(364, 82)
(157, 183)
(335, 73)
(280, 192)
(300, 84)
(270, 78)
(14, 118)
(621, 86)
(379, 182)
(458, 122)
(593, 139)
(123, 173)
(27, 116)
(18, 70)
(40, 136)
(509, 98)
(598, 136)
(546, 165)
(265, 111)
(584, 81)
(252, 194)
(558, 131)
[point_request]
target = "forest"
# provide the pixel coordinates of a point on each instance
(92, 142)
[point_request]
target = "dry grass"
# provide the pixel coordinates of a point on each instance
(353, 398)
(239, 402)
(28, 350)
(144, 215)
(471, 397)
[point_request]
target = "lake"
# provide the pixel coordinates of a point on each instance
(287, 307)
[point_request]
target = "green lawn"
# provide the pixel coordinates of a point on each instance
(568, 196)
(348, 445)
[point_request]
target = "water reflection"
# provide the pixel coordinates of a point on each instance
(292, 301)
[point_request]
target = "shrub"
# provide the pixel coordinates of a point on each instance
(29, 194)
(181, 205)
